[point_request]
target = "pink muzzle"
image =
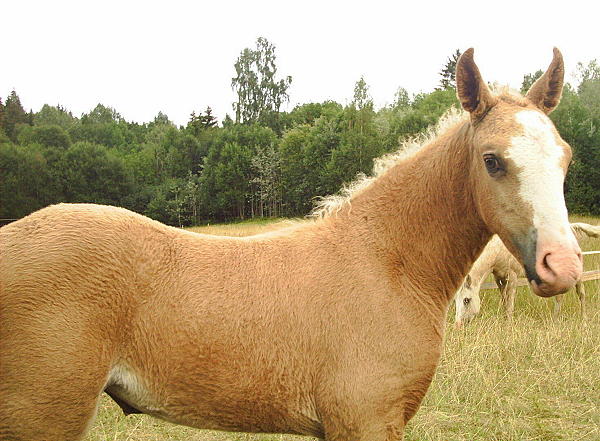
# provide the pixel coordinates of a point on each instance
(558, 267)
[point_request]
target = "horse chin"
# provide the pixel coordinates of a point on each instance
(545, 290)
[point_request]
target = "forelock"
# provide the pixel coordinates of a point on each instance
(510, 96)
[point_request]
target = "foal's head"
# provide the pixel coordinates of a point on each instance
(467, 301)
(518, 167)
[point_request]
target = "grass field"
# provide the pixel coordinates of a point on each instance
(533, 379)
(245, 228)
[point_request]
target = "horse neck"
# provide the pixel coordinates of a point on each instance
(484, 264)
(420, 217)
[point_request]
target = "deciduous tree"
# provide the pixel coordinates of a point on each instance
(529, 79)
(260, 93)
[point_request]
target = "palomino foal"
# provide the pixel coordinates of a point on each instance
(332, 329)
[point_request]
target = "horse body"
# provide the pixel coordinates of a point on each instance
(333, 328)
(257, 335)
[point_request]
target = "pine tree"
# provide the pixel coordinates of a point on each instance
(208, 120)
(197, 123)
(14, 114)
(448, 72)
(1, 116)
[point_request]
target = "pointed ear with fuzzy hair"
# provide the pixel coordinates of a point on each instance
(473, 93)
(547, 90)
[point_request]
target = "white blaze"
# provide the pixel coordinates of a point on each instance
(539, 158)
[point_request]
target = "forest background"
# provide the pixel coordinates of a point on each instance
(258, 162)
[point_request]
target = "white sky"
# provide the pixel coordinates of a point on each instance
(177, 56)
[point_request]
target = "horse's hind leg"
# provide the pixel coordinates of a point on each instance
(508, 289)
(47, 402)
(53, 400)
(558, 300)
(580, 289)
(50, 382)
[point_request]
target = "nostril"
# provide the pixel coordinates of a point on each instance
(559, 266)
(546, 269)
(546, 264)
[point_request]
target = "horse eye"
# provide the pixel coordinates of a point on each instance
(466, 300)
(492, 164)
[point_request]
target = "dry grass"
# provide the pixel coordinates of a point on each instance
(246, 228)
(532, 379)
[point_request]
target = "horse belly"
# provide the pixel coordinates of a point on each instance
(233, 393)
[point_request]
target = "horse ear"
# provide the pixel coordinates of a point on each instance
(473, 93)
(547, 90)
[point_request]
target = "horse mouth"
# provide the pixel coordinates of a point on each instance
(545, 290)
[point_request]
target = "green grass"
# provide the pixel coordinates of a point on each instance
(531, 379)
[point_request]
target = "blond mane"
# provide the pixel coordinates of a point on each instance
(332, 204)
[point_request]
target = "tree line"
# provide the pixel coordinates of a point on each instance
(263, 162)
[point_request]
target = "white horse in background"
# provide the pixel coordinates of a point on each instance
(497, 260)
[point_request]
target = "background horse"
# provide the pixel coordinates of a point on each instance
(497, 260)
(333, 328)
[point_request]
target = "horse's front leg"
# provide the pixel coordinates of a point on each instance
(379, 415)
(380, 431)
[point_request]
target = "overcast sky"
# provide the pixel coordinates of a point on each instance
(178, 56)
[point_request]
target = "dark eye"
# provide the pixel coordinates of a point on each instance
(466, 301)
(492, 164)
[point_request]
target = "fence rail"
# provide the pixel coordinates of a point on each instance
(6, 221)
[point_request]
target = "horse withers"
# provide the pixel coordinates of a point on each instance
(331, 328)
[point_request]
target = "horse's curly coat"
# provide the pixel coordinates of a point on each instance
(331, 328)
